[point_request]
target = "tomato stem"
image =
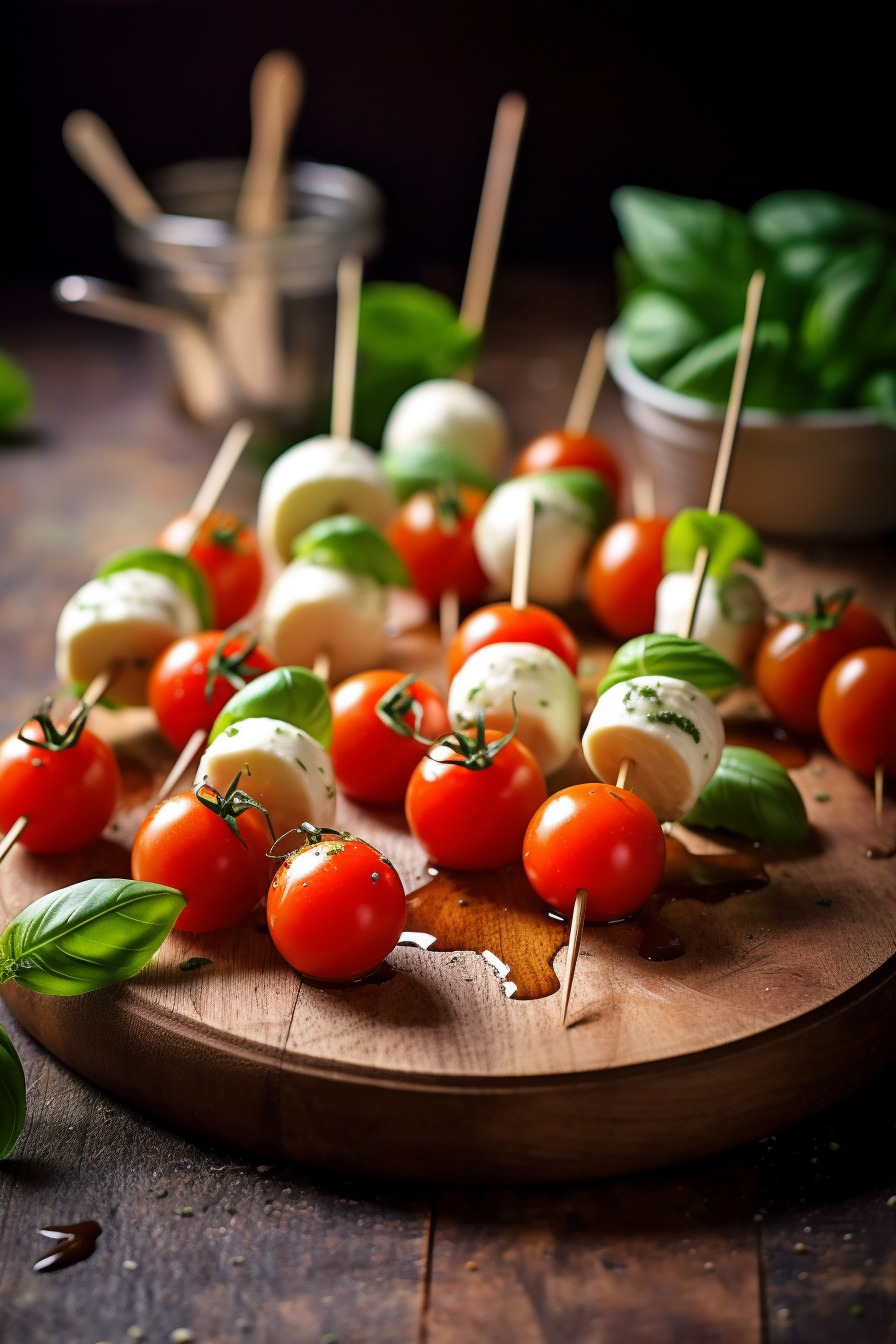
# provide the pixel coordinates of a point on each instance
(233, 667)
(231, 805)
(55, 739)
(826, 613)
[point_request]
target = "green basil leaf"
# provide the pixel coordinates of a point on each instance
(423, 466)
(816, 216)
(850, 322)
(727, 537)
(671, 656)
(701, 251)
(89, 935)
(588, 488)
(294, 695)
(773, 380)
(16, 396)
(753, 795)
(181, 571)
(878, 393)
(12, 1094)
(659, 329)
(347, 542)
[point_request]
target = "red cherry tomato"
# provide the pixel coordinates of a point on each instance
(63, 778)
(857, 710)
(223, 872)
(501, 623)
(474, 819)
(561, 448)
(623, 574)
(371, 761)
(433, 534)
(596, 838)
(336, 907)
(795, 656)
(192, 680)
(226, 551)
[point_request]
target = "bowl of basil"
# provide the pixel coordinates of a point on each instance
(816, 448)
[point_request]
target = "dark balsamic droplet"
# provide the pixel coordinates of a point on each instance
(75, 1241)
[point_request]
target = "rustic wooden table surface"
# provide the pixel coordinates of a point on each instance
(789, 1239)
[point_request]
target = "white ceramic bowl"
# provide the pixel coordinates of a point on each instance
(820, 474)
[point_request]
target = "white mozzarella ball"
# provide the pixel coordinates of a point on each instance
(668, 731)
(313, 609)
(545, 692)
(284, 769)
(562, 535)
(450, 414)
(730, 615)
(126, 618)
(317, 479)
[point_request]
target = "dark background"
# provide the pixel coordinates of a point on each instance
(730, 103)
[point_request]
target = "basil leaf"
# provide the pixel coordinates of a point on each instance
(816, 216)
(423, 466)
(671, 656)
(89, 935)
(727, 537)
(753, 795)
(347, 542)
(879, 394)
(294, 695)
(659, 329)
(850, 321)
(12, 1094)
(587, 488)
(16, 396)
(181, 571)
(773, 380)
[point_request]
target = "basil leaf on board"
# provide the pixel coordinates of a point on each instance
(12, 1094)
(16, 396)
(659, 330)
(671, 656)
(753, 795)
(727, 538)
(294, 695)
(816, 216)
(347, 542)
(181, 571)
(89, 935)
(424, 466)
(773, 381)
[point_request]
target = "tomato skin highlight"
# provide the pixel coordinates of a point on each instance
(227, 552)
(68, 796)
(791, 666)
(857, 710)
(371, 762)
(474, 819)
(177, 682)
(435, 541)
(501, 623)
(559, 449)
(623, 573)
(182, 844)
(336, 908)
(597, 838)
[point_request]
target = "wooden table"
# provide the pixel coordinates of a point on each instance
(788, 1239)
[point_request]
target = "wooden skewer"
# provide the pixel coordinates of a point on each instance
(93, 146)
(588, 385)
(879, 792)
(322, 666)
(449, 615)
(643, 495)
(217, 476)
(522, 557)
(187, 753)
(348, 296)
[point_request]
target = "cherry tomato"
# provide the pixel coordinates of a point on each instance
(623, 574)
(561, 448)
(795, 656)
(857, 710)
(433, 534)
(192, 680)
(501, 623)
(63, 778)
(596, 838)
(474, 818)
(213, 848)
(226, 551)
(336, 907)
(371, 761)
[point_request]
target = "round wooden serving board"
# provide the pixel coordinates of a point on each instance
(781, 1004)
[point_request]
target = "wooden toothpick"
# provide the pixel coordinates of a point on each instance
(217, 476)
(522, 555)
(588, 385)
(576, 925)
(348, 303)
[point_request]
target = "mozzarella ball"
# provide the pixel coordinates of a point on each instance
(668, 731)
(562, 535)
(284, 769)
(450, 414)
(317, 479)
(546, 694)
(730, 614)
(124, 618)
(312, 609)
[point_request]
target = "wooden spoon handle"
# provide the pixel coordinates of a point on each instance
(278, 85)
(93, 146)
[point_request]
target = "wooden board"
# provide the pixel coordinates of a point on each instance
(781, 1004)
